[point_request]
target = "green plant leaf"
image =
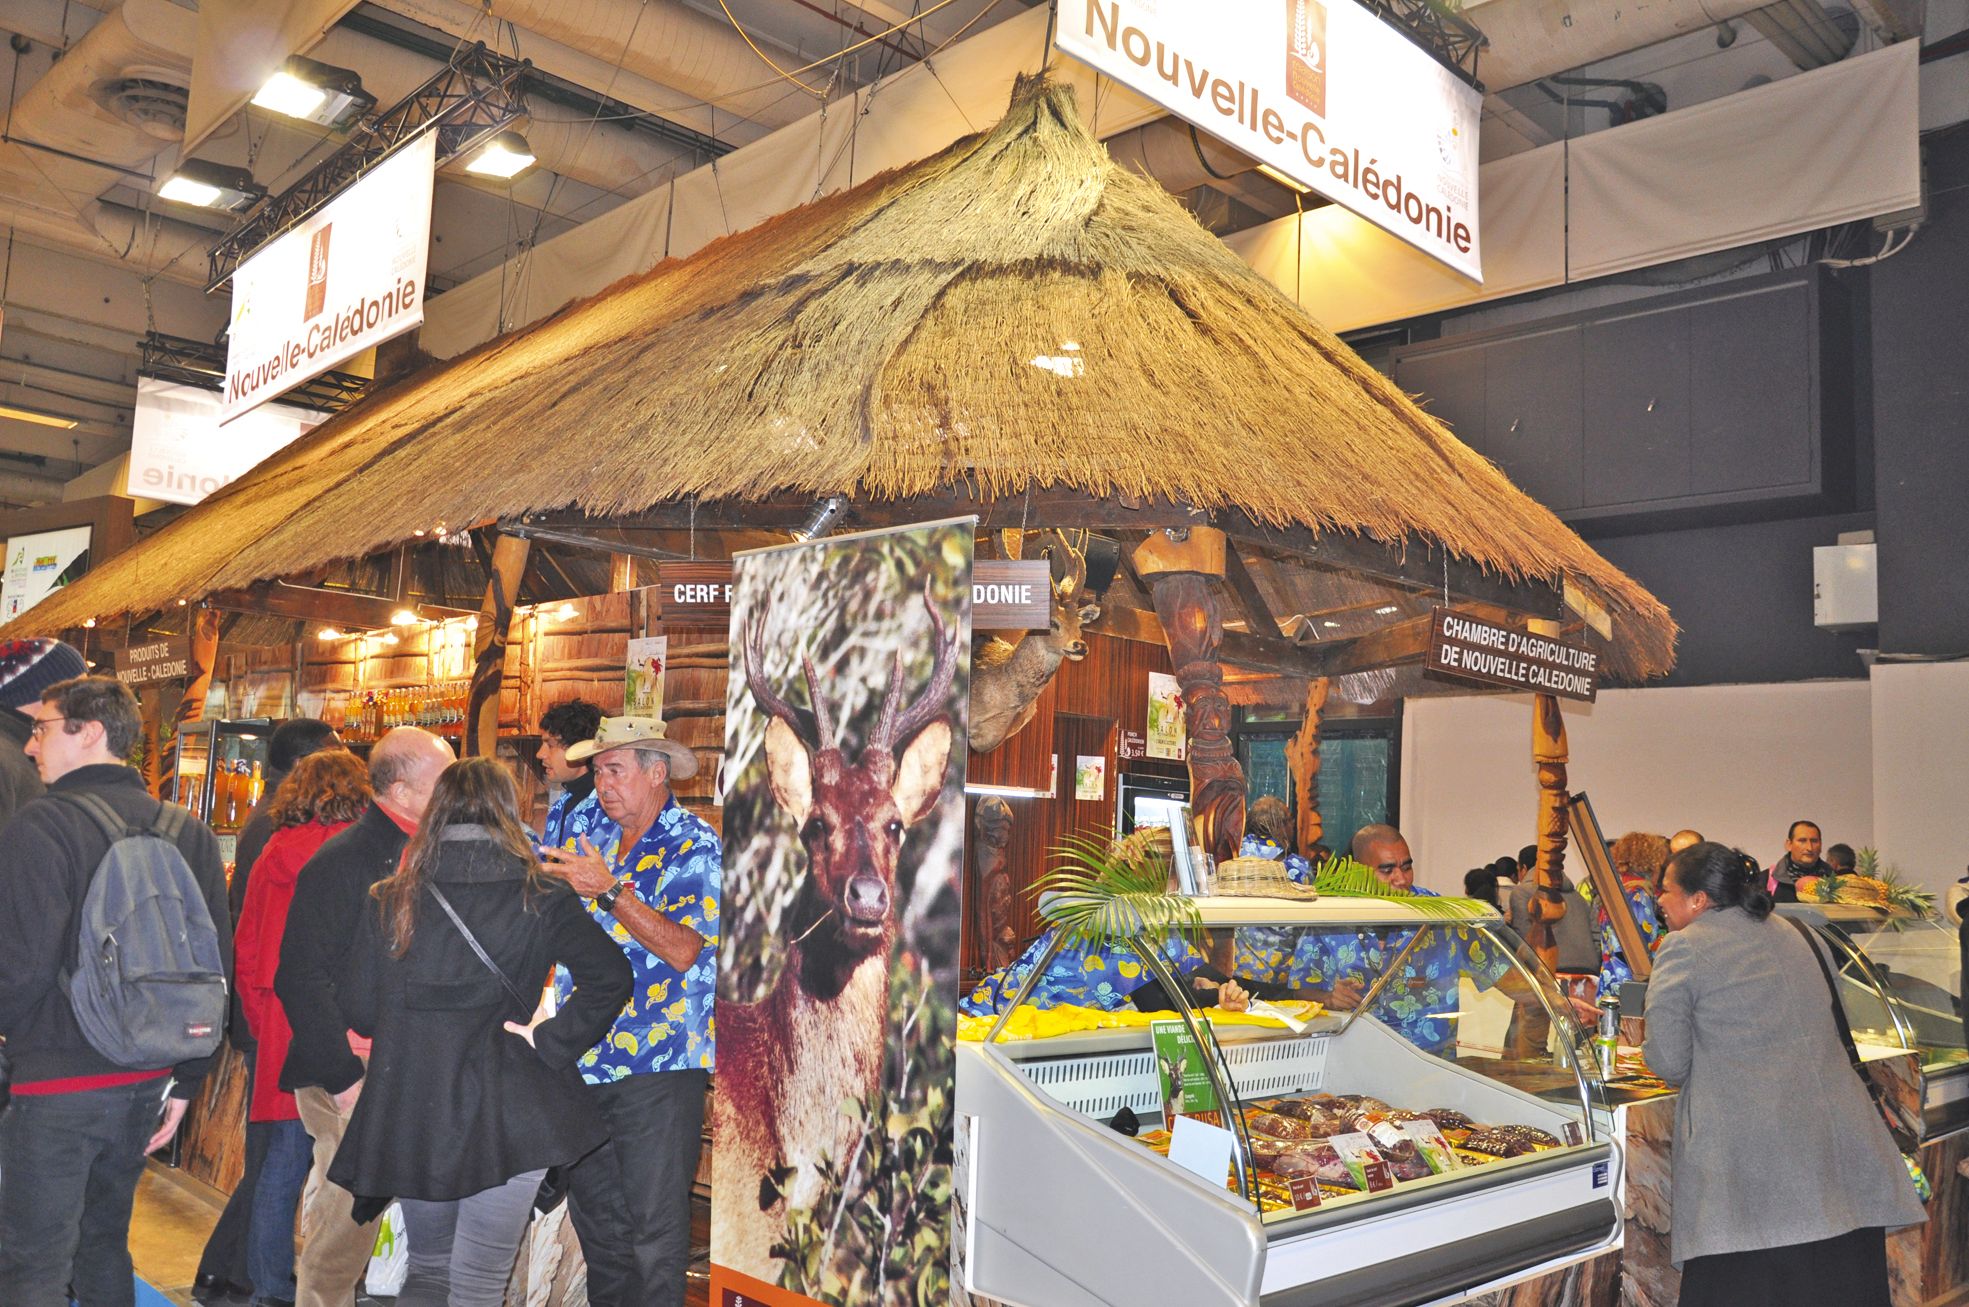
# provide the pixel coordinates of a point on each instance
(1100, 900)
(1343, 878)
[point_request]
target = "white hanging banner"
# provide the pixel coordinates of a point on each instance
(350, 277)
(177, 453)
(1319, 91)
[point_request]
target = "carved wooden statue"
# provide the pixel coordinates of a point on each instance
(1549, 753)
(1304, 755)
(991, 833)
(1006, 678)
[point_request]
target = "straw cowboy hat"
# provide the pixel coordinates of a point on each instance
(637, 733)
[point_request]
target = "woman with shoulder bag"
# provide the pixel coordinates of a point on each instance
(1768, 1208)
(464, 1108)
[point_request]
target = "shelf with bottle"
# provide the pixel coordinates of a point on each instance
(363, 716)
(236, 789)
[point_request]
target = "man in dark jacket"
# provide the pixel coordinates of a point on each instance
(73, 1141)
(222, 1271)
(27, 667)
(323, 1071)
(1801, 858)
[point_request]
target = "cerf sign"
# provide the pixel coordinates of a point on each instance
(1006, 594)
(845, 740)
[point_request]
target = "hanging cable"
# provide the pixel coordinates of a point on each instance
(793, 74)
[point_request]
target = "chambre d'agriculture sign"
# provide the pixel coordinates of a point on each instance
(1321, 91)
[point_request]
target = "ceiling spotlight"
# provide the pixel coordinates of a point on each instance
(36, 416)
(90, 623)
(822, 518)
(403, 617)
(316, 93)
(505, 156)
(1385, 609)
(388, 637)
(207, 185)
(328, 633)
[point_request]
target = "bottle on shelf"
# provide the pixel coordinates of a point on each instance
(256, 784)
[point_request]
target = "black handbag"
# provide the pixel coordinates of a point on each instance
(553, 1185)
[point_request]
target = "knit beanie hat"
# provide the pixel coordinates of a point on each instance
(27, 667)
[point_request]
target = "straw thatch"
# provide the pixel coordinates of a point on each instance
(881, 343)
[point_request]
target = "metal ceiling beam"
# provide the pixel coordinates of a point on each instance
(203, 364)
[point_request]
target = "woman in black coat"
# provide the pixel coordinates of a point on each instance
(463, 1108)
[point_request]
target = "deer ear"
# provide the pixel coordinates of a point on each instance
(919, 772)
(790, 769)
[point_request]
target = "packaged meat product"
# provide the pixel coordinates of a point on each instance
(1448, 1118)
(1364, 1161)
(1278, 1127)
(1308, 1108)
(1429, 1141)
(1509, 1140)
(1322, 1161)
(1359, 1103)
(1404, 1158)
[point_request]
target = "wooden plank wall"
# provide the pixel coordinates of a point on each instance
(1084, 710)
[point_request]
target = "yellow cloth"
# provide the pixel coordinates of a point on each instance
(1029, 1022)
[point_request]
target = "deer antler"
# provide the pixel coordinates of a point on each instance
(762, 693)
(1076, 576)
(928, 705)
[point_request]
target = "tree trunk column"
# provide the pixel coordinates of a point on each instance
(1304, 755)
(1178, 564)
(502, 589)
(1549, 755)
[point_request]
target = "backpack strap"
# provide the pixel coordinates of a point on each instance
(169, 823)
(98, 810)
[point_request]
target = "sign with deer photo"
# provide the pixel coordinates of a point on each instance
(845, 741)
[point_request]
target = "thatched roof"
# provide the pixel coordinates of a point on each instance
(881, 343)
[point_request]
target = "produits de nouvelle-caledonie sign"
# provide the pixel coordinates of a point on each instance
(1320, 91)
(1478, 650)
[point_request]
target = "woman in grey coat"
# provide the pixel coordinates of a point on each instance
(1785, 1179)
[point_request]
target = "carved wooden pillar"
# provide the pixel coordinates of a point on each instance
(1304, 756)
(1548, 753)
(991, 831)
(502, 590)
(1177, 564)
(191, 704)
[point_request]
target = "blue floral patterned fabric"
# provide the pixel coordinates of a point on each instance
(1098, 978)
(1296, 867)
(1614, 970)
(568, 822)
(676, 869)
(1314, 958)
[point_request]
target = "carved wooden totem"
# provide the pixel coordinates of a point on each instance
(1304, 756)
(1549, 754)
(991, 832)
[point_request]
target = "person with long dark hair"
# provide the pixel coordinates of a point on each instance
(470, 1096)
(320, 798)
(1769, 1208)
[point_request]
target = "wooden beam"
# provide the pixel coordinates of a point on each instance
(1124, 623)
(315, 604)
(1042, 508)
(1420, 567)
(1244, 589)
(509, 558)
(1391, 646)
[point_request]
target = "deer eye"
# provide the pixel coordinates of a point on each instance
(814, 829)
(894, 827)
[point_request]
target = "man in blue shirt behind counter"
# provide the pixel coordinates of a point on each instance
(1338, 966)
(650, 872)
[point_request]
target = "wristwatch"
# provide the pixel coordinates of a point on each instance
(606, 899)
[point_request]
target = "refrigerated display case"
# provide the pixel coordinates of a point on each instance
(1900, 981)
(235, 750)
(1447, 1018)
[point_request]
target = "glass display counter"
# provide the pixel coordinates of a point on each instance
(1437, 1040)
(1900, 980)
(221, 773)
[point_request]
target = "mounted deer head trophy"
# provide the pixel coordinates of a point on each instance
(1006, 678)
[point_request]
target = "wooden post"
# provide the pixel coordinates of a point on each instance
(621, 573)
(1303, 754)
(1549, 756)
(1178, 564)
(502, 590)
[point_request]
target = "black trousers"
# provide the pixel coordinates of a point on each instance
(630, 1199)
(1848, 1270)
(224, 1257)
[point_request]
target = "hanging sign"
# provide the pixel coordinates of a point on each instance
(179, 455)
(1322, 92)
(168, 659)
(1006, 595)
(642, 687)
(1480, 650)
(350, 277)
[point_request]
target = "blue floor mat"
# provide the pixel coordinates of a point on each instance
(149, 1297)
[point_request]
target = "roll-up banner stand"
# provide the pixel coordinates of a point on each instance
(843, 791)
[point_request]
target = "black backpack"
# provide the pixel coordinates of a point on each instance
(149, 984)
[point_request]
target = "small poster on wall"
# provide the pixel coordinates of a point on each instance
(642, 691)
(1167, 737)
(40, 564)
(1090, 777)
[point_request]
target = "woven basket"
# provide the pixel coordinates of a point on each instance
(1259, 878)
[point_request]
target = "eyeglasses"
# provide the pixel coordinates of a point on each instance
(41, 726)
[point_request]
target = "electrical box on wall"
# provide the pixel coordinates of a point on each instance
(1845, 586)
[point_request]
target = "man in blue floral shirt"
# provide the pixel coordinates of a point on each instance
(650, 872)
(574, 810)
(1338, 966)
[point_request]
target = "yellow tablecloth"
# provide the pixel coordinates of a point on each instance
(1029, 1022)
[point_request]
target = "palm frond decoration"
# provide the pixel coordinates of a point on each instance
(1901, 893)
(1100, 896)
(1343, 878)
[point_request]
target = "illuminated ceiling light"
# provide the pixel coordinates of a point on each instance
(208, 185)
(388, 637)
(1330, 623)
(403, 617)
(329, 633)
(471, 623)
(316, 93)
(1385, 609)
(505, 156)
(90, 623)
(563, 613)
(36, 416)
(1283, 180)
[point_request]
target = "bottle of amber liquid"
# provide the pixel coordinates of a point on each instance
(256, 784)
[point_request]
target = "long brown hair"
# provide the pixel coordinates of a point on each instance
(329, 785)
(471, 792)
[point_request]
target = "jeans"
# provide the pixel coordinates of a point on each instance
(630, 1199)
(462, 1252)
(270, 1237)
(225, 1256)
(69, 1165)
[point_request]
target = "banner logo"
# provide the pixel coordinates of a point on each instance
(317, 273)
(1305, 55)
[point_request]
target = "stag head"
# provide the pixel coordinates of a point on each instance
(1069, 615)
(852, 812)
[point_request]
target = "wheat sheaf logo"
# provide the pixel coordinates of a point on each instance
(1305, 54)
(318, 272)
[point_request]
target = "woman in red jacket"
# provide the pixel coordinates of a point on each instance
(324, 793)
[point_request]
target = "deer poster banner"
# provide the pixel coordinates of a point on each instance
(845, 746)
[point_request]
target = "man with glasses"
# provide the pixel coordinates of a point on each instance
(73, 1140)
